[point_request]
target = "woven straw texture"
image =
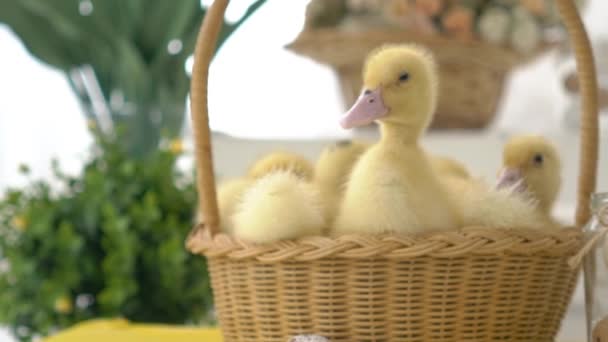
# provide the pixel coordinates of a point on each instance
(475, 284)
(462, 66)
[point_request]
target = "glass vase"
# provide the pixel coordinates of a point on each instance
(596, 272)
(147, 110)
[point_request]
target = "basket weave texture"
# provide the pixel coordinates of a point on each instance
(472, 73)
(474, 284)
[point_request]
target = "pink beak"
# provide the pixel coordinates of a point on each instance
(510, 177)
(368, 108)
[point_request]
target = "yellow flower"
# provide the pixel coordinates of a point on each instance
(63, 305)
(91, 123)
(19, 222)
(176, 146)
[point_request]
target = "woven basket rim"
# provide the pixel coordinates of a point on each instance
(324, 44)
(480, 241)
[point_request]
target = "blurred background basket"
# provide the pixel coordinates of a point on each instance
(473, 284)
(472, 74)
(476, 43)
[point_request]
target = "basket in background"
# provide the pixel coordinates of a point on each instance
(475, 43)
(472, 74)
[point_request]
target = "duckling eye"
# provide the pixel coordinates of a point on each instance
(404, 77)
(343, 143)
(538, 159)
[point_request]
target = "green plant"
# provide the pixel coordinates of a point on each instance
(106, 243)
(125, 59)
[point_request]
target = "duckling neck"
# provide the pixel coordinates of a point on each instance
(405, 134)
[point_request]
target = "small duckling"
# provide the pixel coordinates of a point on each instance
(532, 167)
(497, 208)
(279, 206)
(230, 193)
(525, 192)
(393, 188)
(332, 170)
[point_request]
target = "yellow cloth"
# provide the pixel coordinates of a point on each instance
(120, 330)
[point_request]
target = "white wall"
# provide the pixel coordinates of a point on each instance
(260, 90)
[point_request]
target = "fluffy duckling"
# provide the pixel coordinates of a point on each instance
(498, 208)
(336, 162)
(231, 192)
(393, 188)
(332, 170)
(525, 192)
(279, 206)
(229, 195)
(532, 167)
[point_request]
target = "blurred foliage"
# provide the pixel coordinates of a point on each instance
(107, 243)
(136, 48)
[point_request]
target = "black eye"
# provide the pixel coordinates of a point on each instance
(404, 77)
(367, 92)
(538, 159)
(343, 143)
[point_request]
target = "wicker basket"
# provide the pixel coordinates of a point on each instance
(474, 284)
(472, 73)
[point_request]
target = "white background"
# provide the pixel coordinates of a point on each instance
(258, 89)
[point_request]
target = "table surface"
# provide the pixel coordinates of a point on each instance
(119, 330)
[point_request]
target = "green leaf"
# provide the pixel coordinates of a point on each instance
(47, 47)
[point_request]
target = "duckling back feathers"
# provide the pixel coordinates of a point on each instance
(279, 206)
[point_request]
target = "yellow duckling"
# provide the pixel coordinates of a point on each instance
(532, 167)
(393, 187)
(336, 162)
(279, 206)
(332, 170)
(525, 192)
(230, 193)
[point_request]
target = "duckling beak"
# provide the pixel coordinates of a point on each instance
(511, 178)
(368, 108)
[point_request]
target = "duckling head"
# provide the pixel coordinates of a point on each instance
(399, 91)
(282, 161)
(532, 165)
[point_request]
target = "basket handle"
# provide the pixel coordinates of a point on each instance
(203, 53)
(205, 46)
(587, 77)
